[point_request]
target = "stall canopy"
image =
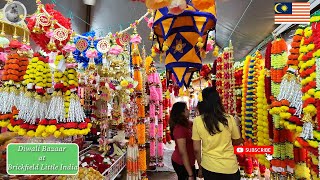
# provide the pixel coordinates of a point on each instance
(245, 22)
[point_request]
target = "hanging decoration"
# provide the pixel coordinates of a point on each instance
(137, 62)
(184, 48)
(49, 28)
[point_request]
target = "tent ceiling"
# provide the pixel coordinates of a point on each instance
(245, 22)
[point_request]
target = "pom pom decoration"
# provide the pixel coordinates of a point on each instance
(51, 34)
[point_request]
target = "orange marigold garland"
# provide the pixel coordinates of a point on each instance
(141, 127)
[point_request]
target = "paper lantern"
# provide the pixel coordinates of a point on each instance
(183, 37)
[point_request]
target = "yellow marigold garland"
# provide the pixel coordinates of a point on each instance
(244, 94)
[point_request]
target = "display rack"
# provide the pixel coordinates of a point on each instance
(116, 168)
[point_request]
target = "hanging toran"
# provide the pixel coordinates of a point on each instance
(141, 127)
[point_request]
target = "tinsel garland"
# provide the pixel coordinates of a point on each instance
(141, 128)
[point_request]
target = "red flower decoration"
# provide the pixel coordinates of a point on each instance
(41, 39)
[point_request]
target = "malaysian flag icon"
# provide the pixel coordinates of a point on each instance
(292, 13)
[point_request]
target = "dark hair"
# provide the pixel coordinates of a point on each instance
(213, 110)
(177, 116)
(200, 107)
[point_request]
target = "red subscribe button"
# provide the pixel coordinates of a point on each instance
(253, 149)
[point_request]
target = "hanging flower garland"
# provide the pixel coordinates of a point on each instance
(262, 118)
(244, 95)
(34, 107)
(308, 82)
(238, 92)
(137, 62)
(249, 112)
(278, 63)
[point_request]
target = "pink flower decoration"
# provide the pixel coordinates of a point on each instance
(136, 39)
(115, 50)
(3, 56)
(70, 47)
(92, 53)
(112, 86)
(210, 43)
(72, 65)
(25, 48)
(130, 86)
(149, 21)
(177, 7)
(49, 34)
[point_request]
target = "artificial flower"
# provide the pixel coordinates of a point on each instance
(177, 6)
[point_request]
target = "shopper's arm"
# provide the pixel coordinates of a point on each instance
(182, 146)
(197, 151)
(235, 132)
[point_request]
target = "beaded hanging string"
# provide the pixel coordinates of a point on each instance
(137, 61)
(232, 89)
(38, 80)
(278, 63)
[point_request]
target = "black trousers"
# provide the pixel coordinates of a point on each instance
(182, 172)
(208, 175)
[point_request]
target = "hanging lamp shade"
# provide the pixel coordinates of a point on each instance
(183, 37)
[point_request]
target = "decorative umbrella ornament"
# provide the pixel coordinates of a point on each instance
(183, 38)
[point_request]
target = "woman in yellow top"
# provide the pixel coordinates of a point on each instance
(218, 132)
